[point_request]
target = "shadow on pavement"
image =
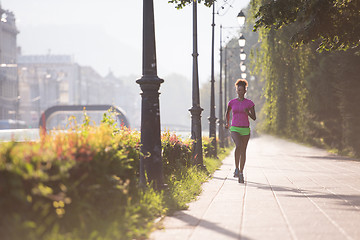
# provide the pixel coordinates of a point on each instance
(346, 200)
(339, 158)
(276, 188)
(226, 178)
(352, 201)
(193, 221)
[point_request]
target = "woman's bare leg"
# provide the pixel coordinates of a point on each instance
(237, 140)
(243, 145)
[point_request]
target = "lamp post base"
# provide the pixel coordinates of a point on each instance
(212, 135)
(196, 134)
(151, 159)
(221, 133)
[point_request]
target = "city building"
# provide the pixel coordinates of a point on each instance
(91, 87)
(9, 96)
(30, 84)
(46, 81)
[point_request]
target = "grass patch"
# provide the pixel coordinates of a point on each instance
(212, 164)
(185, 185)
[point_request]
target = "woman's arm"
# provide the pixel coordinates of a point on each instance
(251, 113)
(227, 117)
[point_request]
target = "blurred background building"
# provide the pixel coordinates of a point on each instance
(9, 97)
(45, 81)
(29, 84)
(50, 80)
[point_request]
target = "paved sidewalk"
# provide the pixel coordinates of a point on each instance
(290, 192)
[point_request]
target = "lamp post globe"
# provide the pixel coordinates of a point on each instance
(242, 55)
(242, 67)
(242, 41)
(241, 18)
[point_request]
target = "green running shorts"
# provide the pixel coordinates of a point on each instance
(241, 130)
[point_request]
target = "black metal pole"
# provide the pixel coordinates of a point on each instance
(221, 113)
(196, 110)
(18, 98)
(151, 160)
(225, 81)
(226, 142)
(212, 118)
(230, 81)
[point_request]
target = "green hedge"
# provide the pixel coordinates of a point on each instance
(83, 184)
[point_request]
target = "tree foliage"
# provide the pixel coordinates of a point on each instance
(310, 96)
(333, 24)
(182, 3)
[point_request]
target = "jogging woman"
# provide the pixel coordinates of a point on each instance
(242, 108)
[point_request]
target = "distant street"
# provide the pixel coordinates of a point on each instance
(290, 192)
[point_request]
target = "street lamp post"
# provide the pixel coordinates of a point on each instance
(212, 118)
(226, 135)
(241, 20)
(196, 110)
(221, 114)
(228, 74)
(151, 160)
(242, 41)
(223, 136)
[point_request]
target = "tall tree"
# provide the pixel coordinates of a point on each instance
(310, 96)
(182, 3)
(333, 24)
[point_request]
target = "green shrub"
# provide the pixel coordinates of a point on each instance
(67, 180)
(83, 184)
(176, 153)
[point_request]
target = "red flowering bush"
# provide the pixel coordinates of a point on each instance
(176, 152)
(207, 146)
(66, 180)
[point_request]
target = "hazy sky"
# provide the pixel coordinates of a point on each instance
(107, 34)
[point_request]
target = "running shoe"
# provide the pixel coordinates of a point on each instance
(236, 173)
(241, 178)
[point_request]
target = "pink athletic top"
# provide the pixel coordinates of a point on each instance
(239, 116)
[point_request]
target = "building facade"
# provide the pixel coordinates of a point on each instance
(46, 81)
(30, 84)
(9, 95)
